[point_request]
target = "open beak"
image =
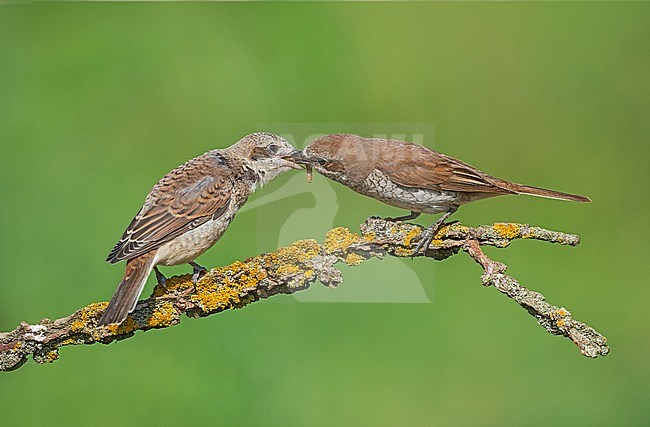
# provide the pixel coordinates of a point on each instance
(298, 159)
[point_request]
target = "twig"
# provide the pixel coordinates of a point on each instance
(294, 268)
(555, 320)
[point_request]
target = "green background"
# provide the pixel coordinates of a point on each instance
(97, 101)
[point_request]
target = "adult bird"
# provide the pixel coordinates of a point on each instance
(410, 176)
(189, 209)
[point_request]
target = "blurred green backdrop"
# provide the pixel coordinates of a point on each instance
(98, 101)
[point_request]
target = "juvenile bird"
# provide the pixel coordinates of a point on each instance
(189, 209)
(410, 176)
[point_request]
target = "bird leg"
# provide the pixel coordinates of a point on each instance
(196, 273)
(160, 278)
(429, 233)
(408, 217)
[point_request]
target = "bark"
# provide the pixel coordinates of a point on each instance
(294, 268)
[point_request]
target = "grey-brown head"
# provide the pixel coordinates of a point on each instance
(342, 157)
(267, 154)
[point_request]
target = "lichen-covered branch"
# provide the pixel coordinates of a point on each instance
(294, 268)
(556, 320)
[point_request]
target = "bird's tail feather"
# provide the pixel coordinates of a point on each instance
(126, 295)
(549, 194)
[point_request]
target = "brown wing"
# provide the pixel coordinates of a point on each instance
(412, 165)
(184, 199)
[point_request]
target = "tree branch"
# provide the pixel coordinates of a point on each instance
(294, 268)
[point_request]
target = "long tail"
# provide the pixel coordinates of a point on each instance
(126, 295)
(549, 194)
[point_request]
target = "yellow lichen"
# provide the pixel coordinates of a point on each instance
(287, 269)
(129, 325)
(338, 239)
(560, 315)
(85, 314)
(92, 309)
(441, 232)
(458, 227)
(269, 259)
(77, 326)
(291, 259)
(210, 299)
(235, 267)
(410, 235)
(248, 280)
(353, 259)
(229, 284)
(174, 284)
(261, 275)
(226, 285)
(51, 356)
(162, 316)
(403, 252)
(507, 230)
(300, 251)
(370, 236)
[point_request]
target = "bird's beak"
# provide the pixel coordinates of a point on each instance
(296, 159)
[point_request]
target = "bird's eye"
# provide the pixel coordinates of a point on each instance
(273, 148)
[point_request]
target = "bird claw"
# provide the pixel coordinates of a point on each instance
(426, 237)
(196, 274)
(424, 240)
(160, 278)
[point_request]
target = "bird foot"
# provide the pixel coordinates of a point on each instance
(160, 278)
(425, 239)
(197, 271)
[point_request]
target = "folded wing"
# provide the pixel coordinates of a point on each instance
(184, 199)
(434, 171)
